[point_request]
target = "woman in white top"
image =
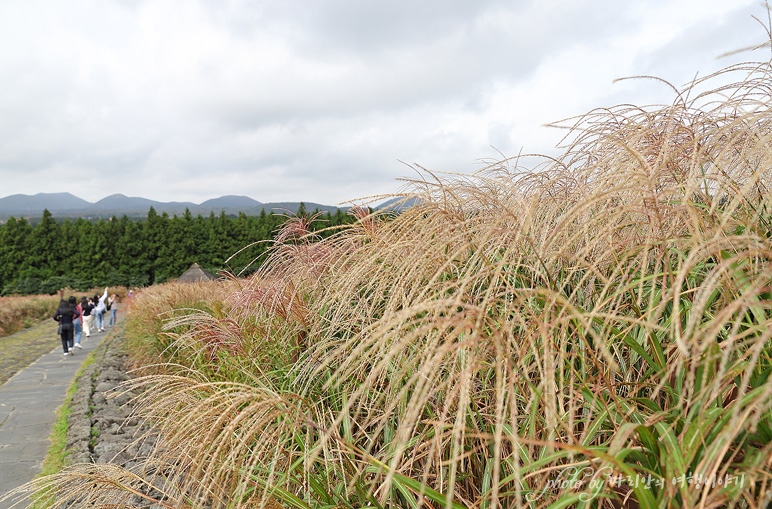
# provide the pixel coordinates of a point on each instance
(99, 310)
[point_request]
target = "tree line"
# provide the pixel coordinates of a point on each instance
(83, 254)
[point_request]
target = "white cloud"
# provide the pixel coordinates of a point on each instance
(320, 101)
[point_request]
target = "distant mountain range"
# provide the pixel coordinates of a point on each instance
(68, 205)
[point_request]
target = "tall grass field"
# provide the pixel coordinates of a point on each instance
(591, 331)
(17, 313)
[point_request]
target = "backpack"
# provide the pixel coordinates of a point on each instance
(109, 304)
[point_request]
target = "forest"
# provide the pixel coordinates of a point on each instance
(81, 254)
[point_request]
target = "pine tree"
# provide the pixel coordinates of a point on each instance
(13, 250)
(43, 249)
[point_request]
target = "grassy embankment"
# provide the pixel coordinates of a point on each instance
(594, 330)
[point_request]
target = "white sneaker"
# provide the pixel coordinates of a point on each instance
(77, 345)
(72, 352)
(66, 354)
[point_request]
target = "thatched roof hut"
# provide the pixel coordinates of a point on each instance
(195, 273)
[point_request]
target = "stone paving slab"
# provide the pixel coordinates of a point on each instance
(28, 403)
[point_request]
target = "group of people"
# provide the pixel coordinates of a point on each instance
(87, 316)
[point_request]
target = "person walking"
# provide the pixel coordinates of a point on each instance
(112, 306)
(88, 318)
(77, 322)
(65, 314)
(99, 310)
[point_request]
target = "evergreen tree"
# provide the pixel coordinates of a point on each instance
(83, 233)
(43, 249)
(13, 251)
(154, 237)
(101, 251)
(133, 254)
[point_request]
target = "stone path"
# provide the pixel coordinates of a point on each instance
(28, 402)
(99, 426)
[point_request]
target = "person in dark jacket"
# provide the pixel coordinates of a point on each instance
(65, 315)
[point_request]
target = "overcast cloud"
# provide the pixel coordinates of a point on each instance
(323, 100)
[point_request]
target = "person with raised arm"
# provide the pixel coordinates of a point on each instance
(99, 311)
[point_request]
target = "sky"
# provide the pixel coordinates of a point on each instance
(325, 101)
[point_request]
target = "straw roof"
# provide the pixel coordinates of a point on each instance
(196, 273)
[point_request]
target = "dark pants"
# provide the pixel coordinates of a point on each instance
(67, 339)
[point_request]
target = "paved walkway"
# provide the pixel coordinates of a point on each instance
(28, 403)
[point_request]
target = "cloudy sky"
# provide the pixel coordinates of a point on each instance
(325, 101)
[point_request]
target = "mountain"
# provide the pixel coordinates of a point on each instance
(24, 203)
(229, 201)
(67, 205)
(398, 204)
(123, 202)
(293, 206)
